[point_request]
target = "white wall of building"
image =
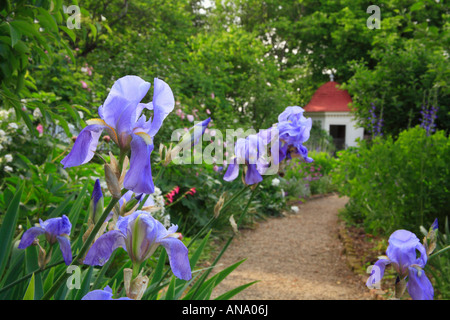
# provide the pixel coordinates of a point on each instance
(352, 131)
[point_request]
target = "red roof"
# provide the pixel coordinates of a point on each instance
(329, 98)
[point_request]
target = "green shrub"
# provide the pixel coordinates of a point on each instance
(396, 184)
(303, 179)
(439, 262)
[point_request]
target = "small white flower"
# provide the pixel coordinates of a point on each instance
(8, 158)
(37, 113)
(8, 169)
(295, 209)
(275, 182)
(13, 125)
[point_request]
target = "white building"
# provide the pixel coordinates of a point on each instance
(329, 107)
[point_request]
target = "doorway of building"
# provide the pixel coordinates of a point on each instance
(338, 134)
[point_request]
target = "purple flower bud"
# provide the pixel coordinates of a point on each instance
(96, 204)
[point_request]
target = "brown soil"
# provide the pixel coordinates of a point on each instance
(299, 256)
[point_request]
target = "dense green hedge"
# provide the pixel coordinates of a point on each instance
(396, 184)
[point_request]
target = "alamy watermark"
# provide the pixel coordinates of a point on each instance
(74, 20)
(74, 281)
(222, 147)
(374, 21)
(375, 272)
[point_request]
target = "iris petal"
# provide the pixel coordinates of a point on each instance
(163, 104)
(232, 171)
(84, 147)
(57, 226)
(178, 257)
(402, 249)
(64, 245)
(101, 250)
(419, 286)
(289, 111)
(377, 272)
(29, 236)
(98, 295)
(139, 177)
(105, 294)
(128, 90)
(252, 176)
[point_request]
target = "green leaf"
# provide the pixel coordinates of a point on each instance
(229, 294)
(76, 208)
(84, 289)
(13, 273)
(193, 260)
(93, 30)
(60, 209)
(171, 289)
(47, 20)
(15, 34)
(8, 228)
(31, 261)
(29, 30)
(157, 275)
(203, 290)
(28, 122)
(69, 52)
(103, 270)
(416, 6)
(69, 32)
(29, 294)
(49, 280)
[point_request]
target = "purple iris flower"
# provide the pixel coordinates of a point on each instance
(140, 235)
(402, 253)
(294, 130)
(55, 230)
(195, 133)
(128, 196)
(121, 116)
(251, 152)
(129, 201)
(105, 294)
(96, 203)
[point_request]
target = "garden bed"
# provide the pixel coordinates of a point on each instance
(362, 250)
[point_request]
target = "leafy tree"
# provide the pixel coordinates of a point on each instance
(400, 66)
(30, 34)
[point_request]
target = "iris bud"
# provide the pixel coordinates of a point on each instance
(96, 204)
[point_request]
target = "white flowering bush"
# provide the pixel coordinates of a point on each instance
(8, 131)
(160, 213)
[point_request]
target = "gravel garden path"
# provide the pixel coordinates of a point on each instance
(295, 257)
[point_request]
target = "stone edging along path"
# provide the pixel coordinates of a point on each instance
(296, 257)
